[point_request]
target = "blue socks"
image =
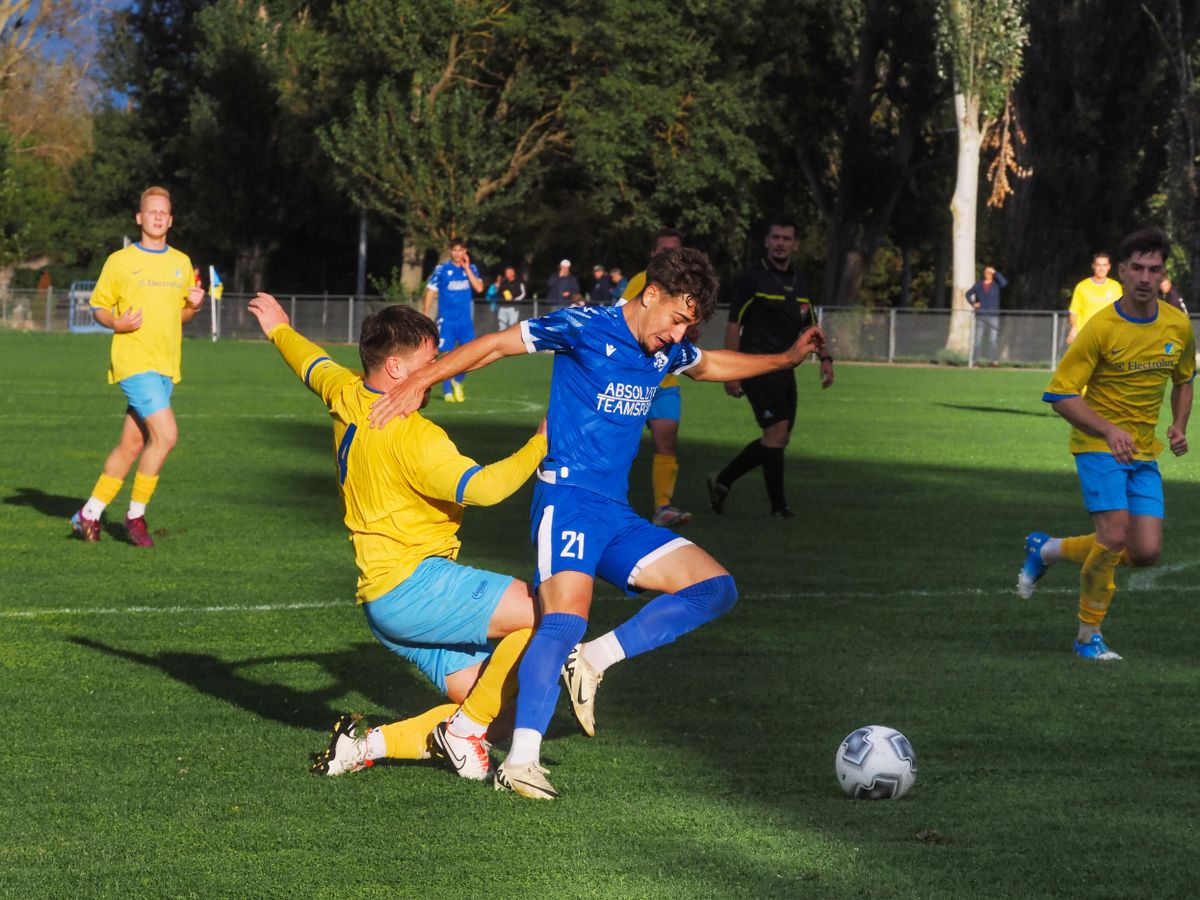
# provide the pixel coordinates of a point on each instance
(668, 616)
(537, 675)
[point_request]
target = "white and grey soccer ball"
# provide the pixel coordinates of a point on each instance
(876, 763)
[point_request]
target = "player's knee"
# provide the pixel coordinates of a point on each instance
(1139, 558)
(713, 597)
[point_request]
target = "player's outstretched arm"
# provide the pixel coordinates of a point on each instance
(1181, 409)
(731, 365)
(406, 397)
(269, 313)
(1087, 420)
(297, 351)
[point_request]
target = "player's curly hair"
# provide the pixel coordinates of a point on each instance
(1145, 240)
(393, 331)
(686, 272)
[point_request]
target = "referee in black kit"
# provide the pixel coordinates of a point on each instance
(769, 309)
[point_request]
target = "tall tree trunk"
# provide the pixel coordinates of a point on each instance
(410, 268)
(963, 209)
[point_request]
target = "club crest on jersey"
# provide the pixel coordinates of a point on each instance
(1170, 346)
(660, 360)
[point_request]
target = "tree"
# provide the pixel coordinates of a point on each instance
(626, 105)
(983, 41)
(846, 115)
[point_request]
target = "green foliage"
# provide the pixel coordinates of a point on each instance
(983, 41)
(13, 231)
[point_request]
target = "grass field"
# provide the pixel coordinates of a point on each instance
(160, 705)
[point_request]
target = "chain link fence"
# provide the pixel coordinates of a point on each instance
(1008, 337)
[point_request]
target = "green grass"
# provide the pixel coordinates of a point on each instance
(160, 705)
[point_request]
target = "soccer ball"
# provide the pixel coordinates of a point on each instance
(876, 763)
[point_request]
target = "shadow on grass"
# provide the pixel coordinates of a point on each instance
(56, 506)
(997, 409)
(356, 668)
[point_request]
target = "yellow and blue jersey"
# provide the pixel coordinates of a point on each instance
(404, 486)
(157, 283)
(1089, 298)
(601, 388)
(1125, 363)
(636, 285)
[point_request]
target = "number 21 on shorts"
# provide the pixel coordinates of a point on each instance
(573, 548)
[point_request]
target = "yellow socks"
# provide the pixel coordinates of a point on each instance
(1076, 549)
(664, 474)
(1096, 584)
(498, 683)
(143, 488)
(407, 739)
(106, 489)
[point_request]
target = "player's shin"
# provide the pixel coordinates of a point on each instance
(1076, 550)
(669, 616)
(1096, 588)
(557, 634)
(664, 473)
(496, 687)
(408, 738)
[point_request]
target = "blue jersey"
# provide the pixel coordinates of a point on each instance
(454, 290)
(600, 394)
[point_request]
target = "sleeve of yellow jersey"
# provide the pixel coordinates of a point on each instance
(1075, 368)
(1186, 370)
(108, 287)
(438, 470)
(1076, 307)
(310, 362)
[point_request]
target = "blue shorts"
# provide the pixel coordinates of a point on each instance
(452, 332)
(437, 618)
(667, 404)
(1108, 484)
(147, 392)
(576, 530)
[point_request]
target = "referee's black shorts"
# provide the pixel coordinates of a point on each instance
(772, 397)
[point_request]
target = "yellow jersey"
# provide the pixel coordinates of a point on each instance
(404, 486)
(1124, 363)
(157, 283)
(1089, 298)
(636, 285)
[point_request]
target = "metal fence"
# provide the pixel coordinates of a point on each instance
(1008, 337)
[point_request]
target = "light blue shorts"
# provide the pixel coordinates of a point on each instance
(667, 404)
(1108, 484)
(147, 392)
(437, 618)
(576, 530)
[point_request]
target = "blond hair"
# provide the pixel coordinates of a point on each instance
(153, 191)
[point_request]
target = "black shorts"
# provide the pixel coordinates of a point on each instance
(772, 397)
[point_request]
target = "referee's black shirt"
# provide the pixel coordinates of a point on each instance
(772, 307)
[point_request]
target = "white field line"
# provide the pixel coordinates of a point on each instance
(966, 592)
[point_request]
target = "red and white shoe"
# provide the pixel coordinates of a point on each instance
(468, 756)
(139, 534)
(88, 529)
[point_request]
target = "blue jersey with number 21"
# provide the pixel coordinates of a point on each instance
(600, 394)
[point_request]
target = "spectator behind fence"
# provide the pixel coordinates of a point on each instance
(617, 285)
(563, 289)
(1092, 294)
(984, 297)
(512, 291)
(1171, 295)
(601, 291)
